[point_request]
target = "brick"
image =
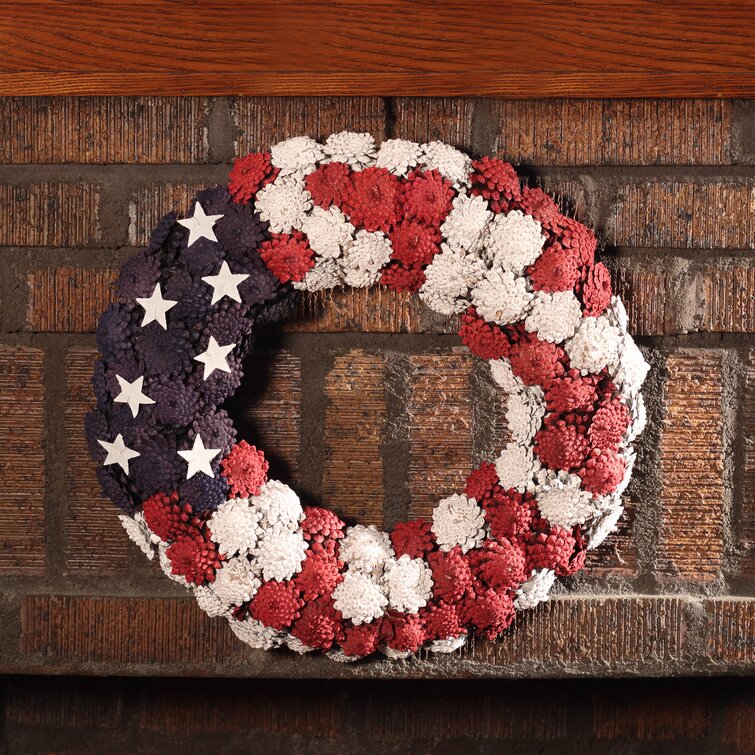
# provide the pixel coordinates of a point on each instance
(569, 194)
(739, 726)
(65, 703)
(746, 525)
(440, 428)
(103, 130)
(264, 121)
(684, 214)
(425, 119)
(480, 711)
(95, 542)
(352, 482)
(692, 508)
(49, 214)
(731, 631)
(617, 555)
(681, 296)
(614, 132)
(311, 709)
(71, 299)
(490, 427)
(607, 633)
(577, 132)
(79, 629)
(730, 299)
(364, 310)
(267, 411)
(22, 465)
(655, 716)
(639, 291)
(152, 202)
(68, 299)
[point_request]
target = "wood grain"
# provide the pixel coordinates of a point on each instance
(284, 84)
(383, 47)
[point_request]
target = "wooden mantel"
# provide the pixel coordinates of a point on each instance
(519, 48)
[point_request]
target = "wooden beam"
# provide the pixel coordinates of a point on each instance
(521, 48)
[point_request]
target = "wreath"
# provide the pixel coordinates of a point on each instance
(470, 240)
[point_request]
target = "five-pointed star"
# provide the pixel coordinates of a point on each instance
(215, 357)
(131, 394)
(155, 307)
(225, 283)
(117, 453)
(199, 458)
(200, 225)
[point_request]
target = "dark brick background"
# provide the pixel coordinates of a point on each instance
(670, 187)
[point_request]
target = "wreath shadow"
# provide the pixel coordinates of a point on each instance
(246, 406)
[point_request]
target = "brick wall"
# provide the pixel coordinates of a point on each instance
(670, 186)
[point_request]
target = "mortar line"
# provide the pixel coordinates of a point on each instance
(615, 174)
(394, 442)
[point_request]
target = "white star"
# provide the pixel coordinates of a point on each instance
(215, 357)
(155, 308)
(225, 283)
(199, 458)
(117, 453)
(200, 225)
(131, 394)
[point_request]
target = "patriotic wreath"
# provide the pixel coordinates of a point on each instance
(470, 239)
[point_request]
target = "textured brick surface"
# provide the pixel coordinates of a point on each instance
(440, 428)
(425, 119)
(123, 630)
(153, 201)
(638, 289)
(731, 631)
(267, 410)
(570, 195)
(607, 632)
(711, 298)
(730, 299)
(617, 556)
(264, 121)
(103, 130)
(364, 402)
(68, 299)
(684, 214)
(746, 520)
(352, 480)
(368, 310)
(577, 132)
(22, 465)
(94, 542)
(715, 297)
(615, 132)
(692, 515)
(577, 633)
(49, 214)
